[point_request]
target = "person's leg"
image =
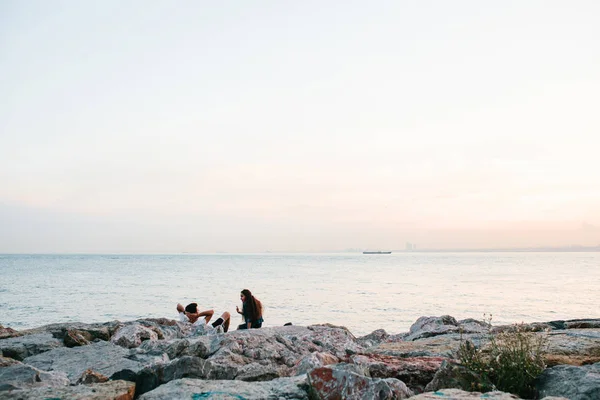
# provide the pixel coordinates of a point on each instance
(227, 317)
(243, 326)
(223, 320)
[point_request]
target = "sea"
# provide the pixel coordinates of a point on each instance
(358, 291)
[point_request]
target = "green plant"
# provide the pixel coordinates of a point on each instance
(510, 361)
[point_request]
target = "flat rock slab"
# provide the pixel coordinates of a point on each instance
(457, 394)
(281, 388)
(573, 346)
(103, 357)
(21, 376)
(112, 390)
(437, 346)
(415, 372)
(575, 383)
(21, 347)
(426, 327)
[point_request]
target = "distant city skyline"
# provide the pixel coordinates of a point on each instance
(148, 127)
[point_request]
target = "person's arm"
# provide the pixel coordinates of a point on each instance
(182, 316)
(206, 314)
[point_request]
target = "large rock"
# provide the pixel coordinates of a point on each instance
(438, 346)
(312, 361)
(457, 394)
(201, 347)
(91, 376)
(426, 327)
(266, 343)
(572, 346)
(17, 375)
(6, 361)
(76, 337)
(374, 338)
(103, 357)
(257, 372)
(99, 331)
(112, 390)
(583, 324)
(575, 383)
(281, 388)
(166, 328)
(415, 372)
(133, 335)
(340, 382)
(278, 349)
(454, 376)
(6, 332)
(163, 329)
(21, 347)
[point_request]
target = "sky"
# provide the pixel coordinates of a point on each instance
(153, 126)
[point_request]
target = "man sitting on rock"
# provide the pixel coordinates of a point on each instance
(191, 314)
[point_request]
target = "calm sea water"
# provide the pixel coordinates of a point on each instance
(361, 292)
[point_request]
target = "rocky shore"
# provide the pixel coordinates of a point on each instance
(155, 359)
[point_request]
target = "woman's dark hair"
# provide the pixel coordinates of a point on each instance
(252, 305)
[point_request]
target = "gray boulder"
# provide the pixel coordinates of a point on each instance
(75, 337)
(112, 390)
(103, 357)
(575, 383)
(312, 361)
(21, 347)
(457, 394)
(572, 346)
(21, 376)
(281, 388)
(374, 338)
(96, 331)
(133, 335)
(583, 324)
(342, 381)
(91, 376)
(255, 372)
(166, 329)
(415, 372)
(436, 346)
(451, 375)
(426, 327)
(6, 332)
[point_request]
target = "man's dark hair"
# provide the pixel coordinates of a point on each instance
(192, 308)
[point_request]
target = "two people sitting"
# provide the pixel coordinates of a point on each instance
(251, 312)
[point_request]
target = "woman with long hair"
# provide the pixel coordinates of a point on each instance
(251, 311)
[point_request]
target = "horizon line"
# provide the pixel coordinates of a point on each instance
(541, 249)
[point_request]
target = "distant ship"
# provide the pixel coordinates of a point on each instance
(377, 252)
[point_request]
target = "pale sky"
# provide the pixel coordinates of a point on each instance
(246, 126)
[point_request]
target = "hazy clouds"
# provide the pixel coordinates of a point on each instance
(154, 127)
